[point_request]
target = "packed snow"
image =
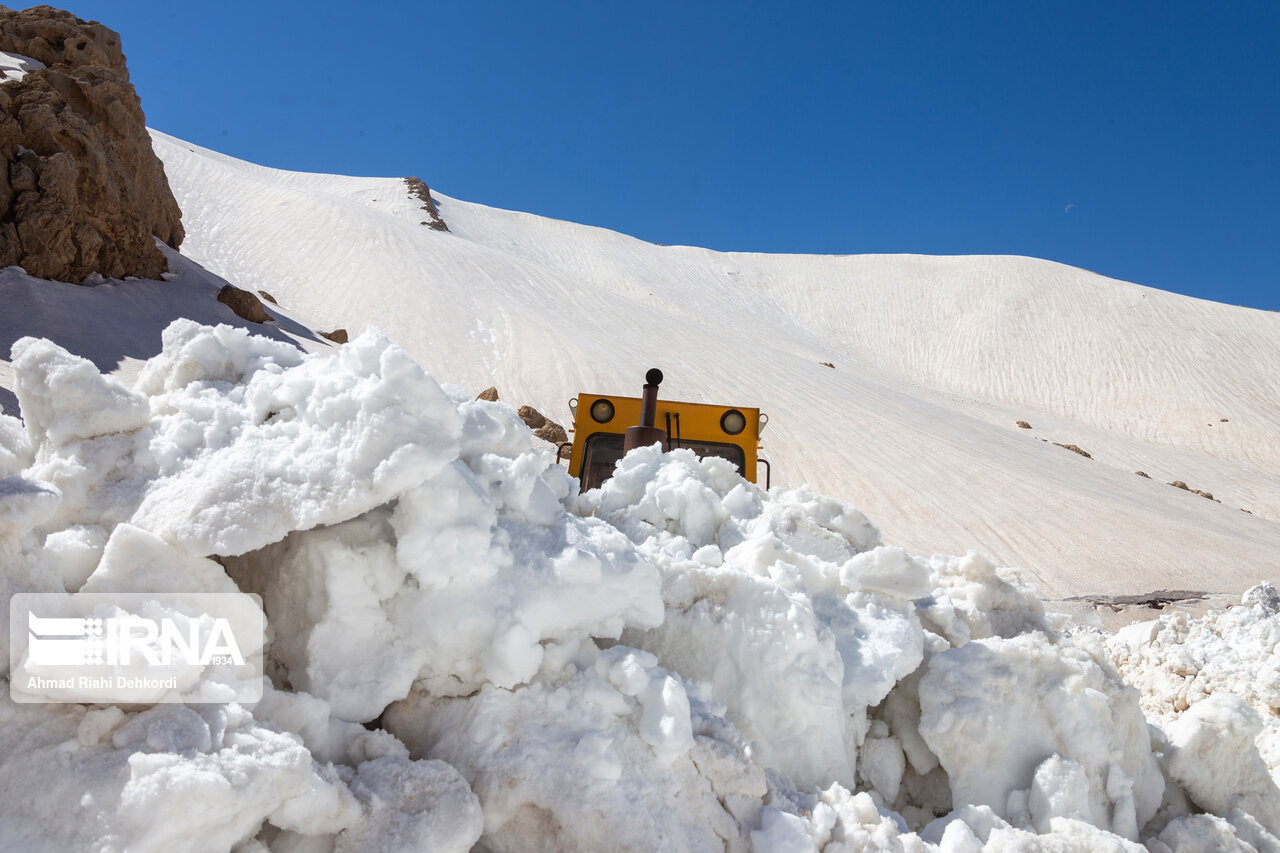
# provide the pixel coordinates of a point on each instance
(467, 652)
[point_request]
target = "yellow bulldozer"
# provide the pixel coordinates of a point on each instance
(606, 426)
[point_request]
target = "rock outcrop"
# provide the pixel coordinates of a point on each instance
(81, 190)
(422, 192)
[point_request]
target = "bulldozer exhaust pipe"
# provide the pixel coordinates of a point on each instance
(646, 433)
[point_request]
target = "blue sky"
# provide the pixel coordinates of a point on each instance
(1140, 140)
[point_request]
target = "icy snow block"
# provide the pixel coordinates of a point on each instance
(995, 711)
(448, 589)
(253, 442)
(64, 398)
(412, 805)
(1213, 757)
(24, 504)
(613, 756)
(784, 603)
(167, 779)
(15, 450)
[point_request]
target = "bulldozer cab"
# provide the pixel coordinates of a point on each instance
(606, 426)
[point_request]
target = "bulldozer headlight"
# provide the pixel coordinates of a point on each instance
(733, 422)
(602, 411)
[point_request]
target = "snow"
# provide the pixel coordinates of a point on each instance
(14, 66)
(935, 361)
(466, 651)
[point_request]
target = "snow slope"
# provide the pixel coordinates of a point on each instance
(117, 324)
(935, 360)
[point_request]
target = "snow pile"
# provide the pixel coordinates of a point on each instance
(1214, 684)
(463, 649)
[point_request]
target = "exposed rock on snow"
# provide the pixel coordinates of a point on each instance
(81, 190)
(338, 336)
(1074, 449)
(423, 193)
(552, 433)
(542, 426)
(532, 417)
(245, 305)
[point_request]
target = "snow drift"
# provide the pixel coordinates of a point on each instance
(466, 651)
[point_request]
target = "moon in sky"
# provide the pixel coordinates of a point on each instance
(1068, 208)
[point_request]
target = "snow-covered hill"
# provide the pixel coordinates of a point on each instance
(935, 360)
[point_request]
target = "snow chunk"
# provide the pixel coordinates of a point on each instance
(1212, 756)
(294, 445)
(64, 398)
(570, 764)
(784, 603)
(73, 552)
(995, 711)
(412, 805)
(15, 449)
(25, 504)
(168, 779)
(1179, 662)
(135, 559)
(467, 581)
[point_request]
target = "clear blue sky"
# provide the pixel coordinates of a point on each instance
(1140, 140)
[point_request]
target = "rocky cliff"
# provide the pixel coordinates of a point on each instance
(81, 190)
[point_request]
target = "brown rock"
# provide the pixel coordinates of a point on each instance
(1075, 449)
(1178, 484)
(531, 417)
(268, 297)
(338, 336)
(423, 193)
(1143, 474)
(81, 190)
(490, 394)
(1203, 494)
(552, 432)
(243, 303)
(1023, 425)
(542, 426)
(827, 364)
